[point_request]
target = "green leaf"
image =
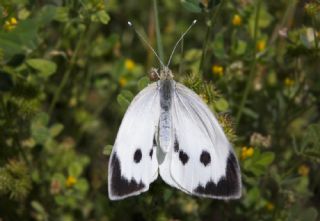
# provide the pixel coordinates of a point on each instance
(191, 5)
(46, 15)
(266, 158)
(143, 82)
(127, 94)
(107, 150)
(41, 118)
(241, 47)
(10, 45)
(39, 131)
(60, 200)
(265, 19)
(37, 206)
(23, 39)
(62, 14)
(100, 16)
(56, 129)
(82, 185)
(103, 17)
(44, 67)
(75, 169)
(221, 104)
(252, 197)
(124, 102)
(40, 134)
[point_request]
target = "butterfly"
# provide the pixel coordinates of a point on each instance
(168, 130)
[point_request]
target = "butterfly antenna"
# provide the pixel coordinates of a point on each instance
(146, 42)
(194, 21)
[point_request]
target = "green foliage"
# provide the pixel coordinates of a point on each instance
(69, 70)
(44, 67)
(15, 180)
(310, 143)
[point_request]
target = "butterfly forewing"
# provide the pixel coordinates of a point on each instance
(202, 162)
(133, 163)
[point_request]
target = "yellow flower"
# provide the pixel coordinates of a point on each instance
(217, 69)
(246, 152)
(129, 64)
(71, 180)
(123, 81)
(270, 206)
(303, 170)
(236, 20)
(250, 152)
(10, 24)
(288, 82)
(13, 21)
(261, 45)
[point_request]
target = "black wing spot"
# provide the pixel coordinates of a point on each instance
(205, 158)
(176, 145)
(120, 186)
(228, 185)
(183, 157)
(150, 153)
(137, 156)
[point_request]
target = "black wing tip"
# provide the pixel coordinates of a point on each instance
(229, 187)
(120, 187)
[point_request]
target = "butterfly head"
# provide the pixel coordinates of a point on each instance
(166, 74)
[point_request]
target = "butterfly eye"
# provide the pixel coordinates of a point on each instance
(154, 75)
(205, 158)
(137, 156)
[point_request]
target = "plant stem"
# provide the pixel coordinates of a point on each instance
(66, 75)
(253, 64)
(158, 33)
(205, 47)
(210, 18)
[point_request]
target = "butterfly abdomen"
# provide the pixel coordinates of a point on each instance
(165, 121)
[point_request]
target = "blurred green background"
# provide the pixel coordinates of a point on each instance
(69, 69)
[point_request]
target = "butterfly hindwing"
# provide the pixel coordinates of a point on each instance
(133, 163)
(203, 162)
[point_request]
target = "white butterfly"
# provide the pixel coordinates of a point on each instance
(168, 129)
